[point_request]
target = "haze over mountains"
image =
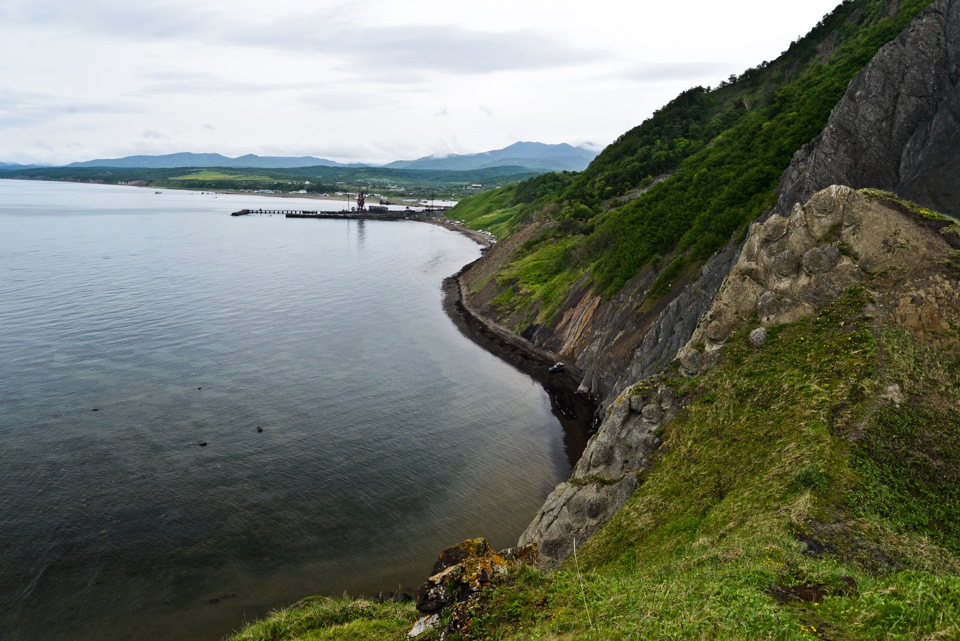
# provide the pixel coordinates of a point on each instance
(533, 156)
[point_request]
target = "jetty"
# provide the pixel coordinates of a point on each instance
(372, 213)
(361, 212)
(270, 212)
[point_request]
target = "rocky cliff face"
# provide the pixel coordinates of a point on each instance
(898, 126)
(606, 476)
(789, 268)
(615, 342)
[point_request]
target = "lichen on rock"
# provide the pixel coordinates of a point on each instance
(459, 576)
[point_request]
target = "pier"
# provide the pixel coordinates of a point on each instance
(271, 212)
(374, 213)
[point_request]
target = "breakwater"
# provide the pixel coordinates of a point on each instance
(374, 212)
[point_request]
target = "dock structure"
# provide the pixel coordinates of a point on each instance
(271, 212)
(375, 213)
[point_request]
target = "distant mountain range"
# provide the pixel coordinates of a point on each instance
(12, 165)
(531, 156)
(186, 159)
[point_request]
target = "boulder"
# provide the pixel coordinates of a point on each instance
(758, 337)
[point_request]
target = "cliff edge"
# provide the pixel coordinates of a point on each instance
(790, 268)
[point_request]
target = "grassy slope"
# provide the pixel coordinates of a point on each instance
(786, 475)
(323, 619)
(722, 152)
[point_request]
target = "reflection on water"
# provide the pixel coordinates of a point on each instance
(361, 231)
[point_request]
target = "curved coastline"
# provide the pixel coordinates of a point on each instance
(574, 411)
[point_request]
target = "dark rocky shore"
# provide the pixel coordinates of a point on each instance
(574, 411)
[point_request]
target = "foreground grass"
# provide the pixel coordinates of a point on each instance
(325, 619)
(789, 501)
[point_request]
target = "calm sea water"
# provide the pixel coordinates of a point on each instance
(134, 326)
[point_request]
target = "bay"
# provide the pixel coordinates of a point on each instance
(135, 326)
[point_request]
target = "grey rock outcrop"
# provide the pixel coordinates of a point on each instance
(674, 326)
(845, 237)
(605, 477)
(841, 238)
(898, 125)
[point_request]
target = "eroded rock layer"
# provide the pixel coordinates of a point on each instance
(789, 268)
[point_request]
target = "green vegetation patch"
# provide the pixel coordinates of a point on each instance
(907, 206)
(674, 190)
(542, 277)
(213, 175)
(324, 619)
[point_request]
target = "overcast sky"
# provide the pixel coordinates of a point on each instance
(364, 80)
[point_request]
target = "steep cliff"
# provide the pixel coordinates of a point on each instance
(612, 268)
(898, 126)
(790, 267)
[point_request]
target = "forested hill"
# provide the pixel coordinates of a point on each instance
(674, 190)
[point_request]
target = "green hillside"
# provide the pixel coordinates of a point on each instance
(672, 191)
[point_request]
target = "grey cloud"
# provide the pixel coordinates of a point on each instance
(18, 109)
(404, 50)
(445, 49)
(335, 100)
(116, 18)
(192, 83)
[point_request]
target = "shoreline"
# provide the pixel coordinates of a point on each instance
(574, 411)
